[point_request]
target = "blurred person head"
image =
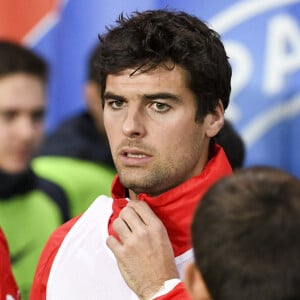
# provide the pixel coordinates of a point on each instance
(245, 235)
(23, 76)
(92, 89)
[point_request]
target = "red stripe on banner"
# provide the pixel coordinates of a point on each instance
(18, 17)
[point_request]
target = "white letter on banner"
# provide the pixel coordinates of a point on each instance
(282, 52)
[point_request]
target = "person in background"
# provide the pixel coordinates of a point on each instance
(245, 235)
(8, 285)
(77, 155)
(30, 207)
(233, 145)
(165, 83)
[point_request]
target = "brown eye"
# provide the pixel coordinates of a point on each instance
(8, 115)
(38, 116)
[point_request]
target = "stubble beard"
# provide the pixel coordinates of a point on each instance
(139, 181)
(159, 177)
(151, 182)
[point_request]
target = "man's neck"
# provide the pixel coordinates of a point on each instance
(131, 194)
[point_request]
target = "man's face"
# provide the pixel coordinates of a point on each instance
(22, 107)
(150, 122)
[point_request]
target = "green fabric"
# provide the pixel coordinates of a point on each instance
(27, 221)
(83, 181)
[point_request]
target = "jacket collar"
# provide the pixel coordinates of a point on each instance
(13, 184)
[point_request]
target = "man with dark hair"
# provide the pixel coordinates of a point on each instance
(76, 154)
(245, 235)
(30, 207)
(165, 82)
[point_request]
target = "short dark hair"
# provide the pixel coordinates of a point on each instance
(145, 40)
(245, 235)
(15, 58)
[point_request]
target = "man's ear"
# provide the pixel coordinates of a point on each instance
(194, 283)
(215, 120)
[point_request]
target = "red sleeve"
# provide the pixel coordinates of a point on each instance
(178, 293)
(39, 286)
(8, 286)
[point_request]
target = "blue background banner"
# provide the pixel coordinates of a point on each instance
(261, 37)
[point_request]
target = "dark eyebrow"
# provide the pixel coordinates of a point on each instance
(147, 97)
(160, 96)
(110, 95)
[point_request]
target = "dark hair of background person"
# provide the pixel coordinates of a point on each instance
(145, 40)
(233, 145)
(20, 59)
(245, 236)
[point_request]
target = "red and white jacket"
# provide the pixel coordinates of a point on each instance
(77, 264)
(8, 286)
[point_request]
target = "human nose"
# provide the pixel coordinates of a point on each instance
(134, 123)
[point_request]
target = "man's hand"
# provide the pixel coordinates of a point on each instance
(144, 253)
